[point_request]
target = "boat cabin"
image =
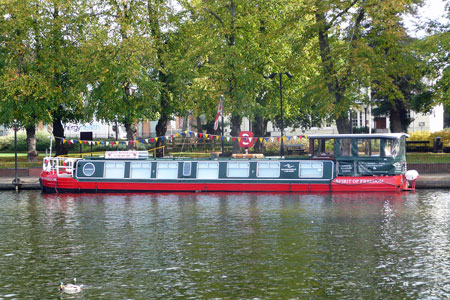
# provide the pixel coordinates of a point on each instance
(361, 154)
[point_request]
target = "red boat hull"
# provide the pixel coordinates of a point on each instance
(52, 183)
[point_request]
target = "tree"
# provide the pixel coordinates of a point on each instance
(435, 49)
(400, 73)
(39, 81)
(62, 30)
(347, 62)
(236, 45)
(23, 96)
(167, 71)
(124, 56)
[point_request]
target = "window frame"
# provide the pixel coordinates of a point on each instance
(238, 163)
(141, 163)
(158, 167)
(122, 163)
(184, 168)
(207, 162)
(268, 162)
(300, 168)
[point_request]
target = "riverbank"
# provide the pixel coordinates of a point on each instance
(425, 181)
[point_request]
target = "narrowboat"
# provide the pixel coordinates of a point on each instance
(335, 163)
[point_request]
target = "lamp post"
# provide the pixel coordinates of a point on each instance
(271, 76)
(223, 129)
(351, 120)
(117, 133)
(16, 180)
(117, 129)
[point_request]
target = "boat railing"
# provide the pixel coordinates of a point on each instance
(61, 166)
(84, 154)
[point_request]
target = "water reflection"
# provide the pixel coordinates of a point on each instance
(227, 245)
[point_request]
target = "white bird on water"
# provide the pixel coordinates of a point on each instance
(70, 288)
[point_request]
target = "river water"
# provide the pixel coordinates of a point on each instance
(226, 245)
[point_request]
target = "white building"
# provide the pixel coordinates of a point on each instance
(99, 130)
(432, 122)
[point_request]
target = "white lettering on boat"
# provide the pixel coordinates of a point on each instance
(359, 180)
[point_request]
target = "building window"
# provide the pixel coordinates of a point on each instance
(140, 170)
(268, 169)
(311, 170)
(238, 169)
(354, 119)
(114, 169)
(208, 170)
(167, 170)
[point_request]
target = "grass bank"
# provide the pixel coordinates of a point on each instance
(427, 158)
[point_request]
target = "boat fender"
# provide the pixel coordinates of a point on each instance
(411, 175)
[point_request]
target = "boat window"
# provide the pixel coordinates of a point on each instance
(346, 147)
(311, 169)
(368, 147)
(167, 170)
(238, 169)
(391, 148)
(140, 170)
(187, 166)
(208, 170)
(268, 169)
(324, 147)
(114, 169)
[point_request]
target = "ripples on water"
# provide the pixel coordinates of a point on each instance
(226, 246)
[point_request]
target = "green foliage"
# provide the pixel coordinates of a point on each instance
(42, 73)
(427, 136)
(7, 142)
(273, 147)
(143, 60)
(361, 130)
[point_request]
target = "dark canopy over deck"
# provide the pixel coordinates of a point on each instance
(361, 154)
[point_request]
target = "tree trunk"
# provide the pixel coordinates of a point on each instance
(235, 129)
(161, 129)
(131, 130)
(259, 130)
(343, 125)
(199, 125)
(210, 143)
(31, 143)
(334, 86)
(209, 127)
(395, 121)
(185, 123)
(58, 133)
(446, 116)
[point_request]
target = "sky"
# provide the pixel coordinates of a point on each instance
(432, 10)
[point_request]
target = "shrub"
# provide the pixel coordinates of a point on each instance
(7, 141)
(273, 148)
(427, 136)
